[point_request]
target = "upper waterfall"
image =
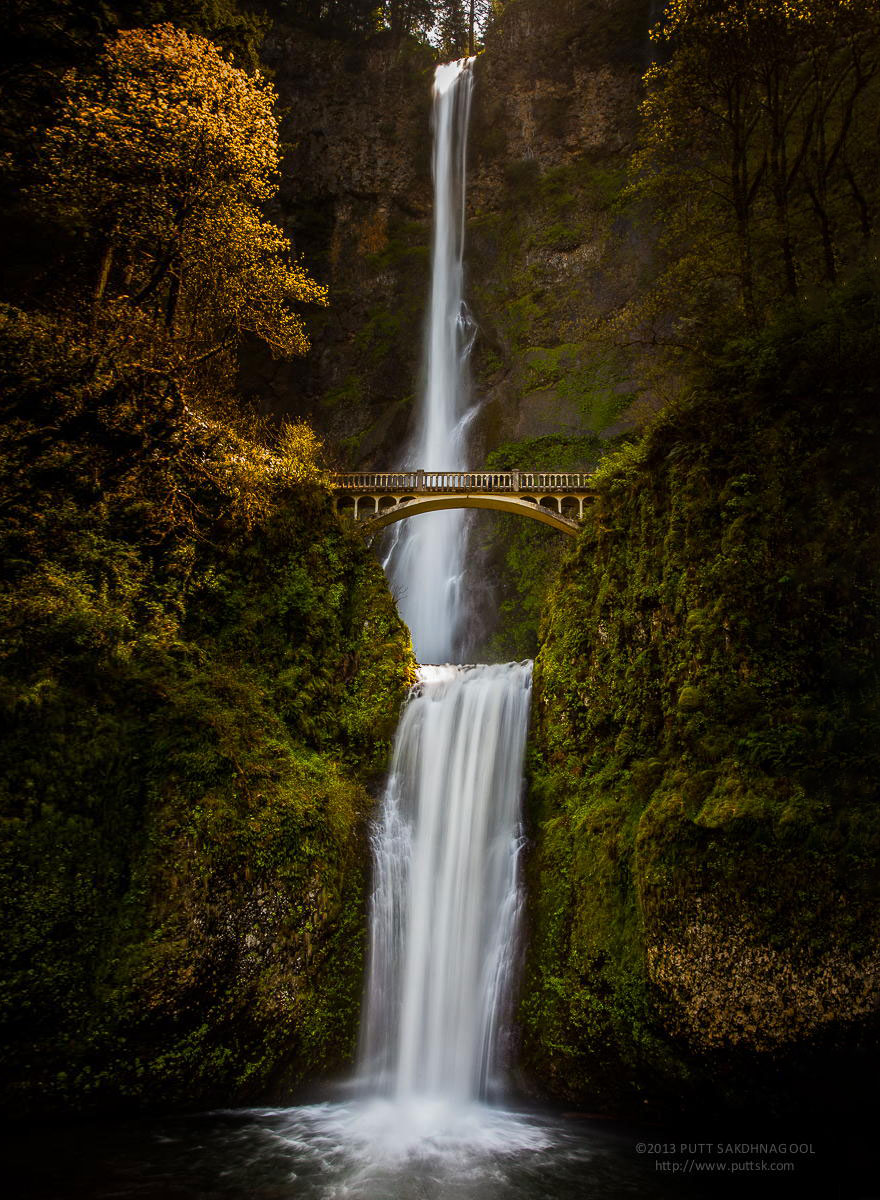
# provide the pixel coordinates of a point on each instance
(426, 559)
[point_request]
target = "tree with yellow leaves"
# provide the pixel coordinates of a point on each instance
(163, 155)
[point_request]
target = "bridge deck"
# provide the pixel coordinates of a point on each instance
(420, 482)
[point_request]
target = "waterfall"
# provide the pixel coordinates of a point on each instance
(426, 559)
(446, 896)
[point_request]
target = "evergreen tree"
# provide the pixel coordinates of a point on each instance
(757, 155)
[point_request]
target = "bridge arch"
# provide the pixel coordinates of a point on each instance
(500, 503)
(379, 498)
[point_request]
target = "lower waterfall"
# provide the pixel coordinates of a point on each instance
(446, 896)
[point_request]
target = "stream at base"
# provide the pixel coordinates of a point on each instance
(358, 1150)
(353, 1149)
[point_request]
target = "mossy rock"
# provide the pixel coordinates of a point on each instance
(705, 761)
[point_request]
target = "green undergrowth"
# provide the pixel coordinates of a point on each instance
(201, 676)
(706, 754)
(525, 556)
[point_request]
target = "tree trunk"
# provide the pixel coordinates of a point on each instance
(860, 202)
(101, 285)
(742, 199)
(173, 297)
(817, 198)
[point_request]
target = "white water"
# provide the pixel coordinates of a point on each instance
(426, 560)
(446, 900)
(446, 897)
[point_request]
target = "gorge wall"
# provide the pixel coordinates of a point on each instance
(704, 776)
(202, 673)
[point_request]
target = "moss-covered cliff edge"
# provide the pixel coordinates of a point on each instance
(201, 674)
(704, 775)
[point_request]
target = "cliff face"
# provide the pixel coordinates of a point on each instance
(553, 118)
(555, 109)
(704, 780)
(548, 262)
(201, 676)
(356, 194)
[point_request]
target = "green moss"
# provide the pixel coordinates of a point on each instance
(589, 375)
(378, 336)
(196, 691)
(524, 557)
(406, 249)
(705, 770)
(350, 392)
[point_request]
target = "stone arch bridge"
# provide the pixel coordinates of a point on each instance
(377, 499)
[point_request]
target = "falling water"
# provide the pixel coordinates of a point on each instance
(446, 842)
(446, 895)
(426, 560)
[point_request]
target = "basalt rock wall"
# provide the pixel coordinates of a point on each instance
(704, 897)
(554, 114)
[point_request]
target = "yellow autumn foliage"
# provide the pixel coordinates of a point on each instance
(162, 155)
(741, 16)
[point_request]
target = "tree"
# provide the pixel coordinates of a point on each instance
(163, 156)
(753, 152)
(459, 24)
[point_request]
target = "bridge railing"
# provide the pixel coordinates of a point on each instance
(400, 482)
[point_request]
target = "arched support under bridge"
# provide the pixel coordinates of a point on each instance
(378, 499)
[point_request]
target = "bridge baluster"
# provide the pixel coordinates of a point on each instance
(369, 482)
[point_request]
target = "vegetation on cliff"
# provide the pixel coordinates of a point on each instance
(527, 556)
(201, 670)
(707, 721)
(705, 773)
